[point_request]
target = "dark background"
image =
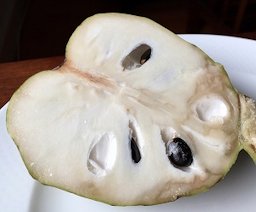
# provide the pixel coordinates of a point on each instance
(34, 29)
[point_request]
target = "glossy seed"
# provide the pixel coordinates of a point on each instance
(135, 151)
(179, 153)
(145, 56)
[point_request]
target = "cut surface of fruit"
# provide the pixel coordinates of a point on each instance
(134, 116)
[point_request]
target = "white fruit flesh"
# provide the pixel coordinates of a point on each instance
(73, 125)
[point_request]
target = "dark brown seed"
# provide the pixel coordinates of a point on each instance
(179, 153)
(136, 157)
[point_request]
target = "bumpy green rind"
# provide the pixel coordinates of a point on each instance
(248, 125)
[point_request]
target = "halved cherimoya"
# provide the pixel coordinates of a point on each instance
(134, 116)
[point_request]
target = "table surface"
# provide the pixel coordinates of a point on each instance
(13, 74)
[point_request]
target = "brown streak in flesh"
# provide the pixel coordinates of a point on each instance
(102, 81)
(91, 77)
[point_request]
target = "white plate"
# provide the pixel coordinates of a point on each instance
(20, 193)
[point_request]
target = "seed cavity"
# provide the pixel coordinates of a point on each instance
(102, 154)
(211, 109)
(135, 152)
(137, 57)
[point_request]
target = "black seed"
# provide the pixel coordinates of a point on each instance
(179, 153)
(135, 151)
(146, 55)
